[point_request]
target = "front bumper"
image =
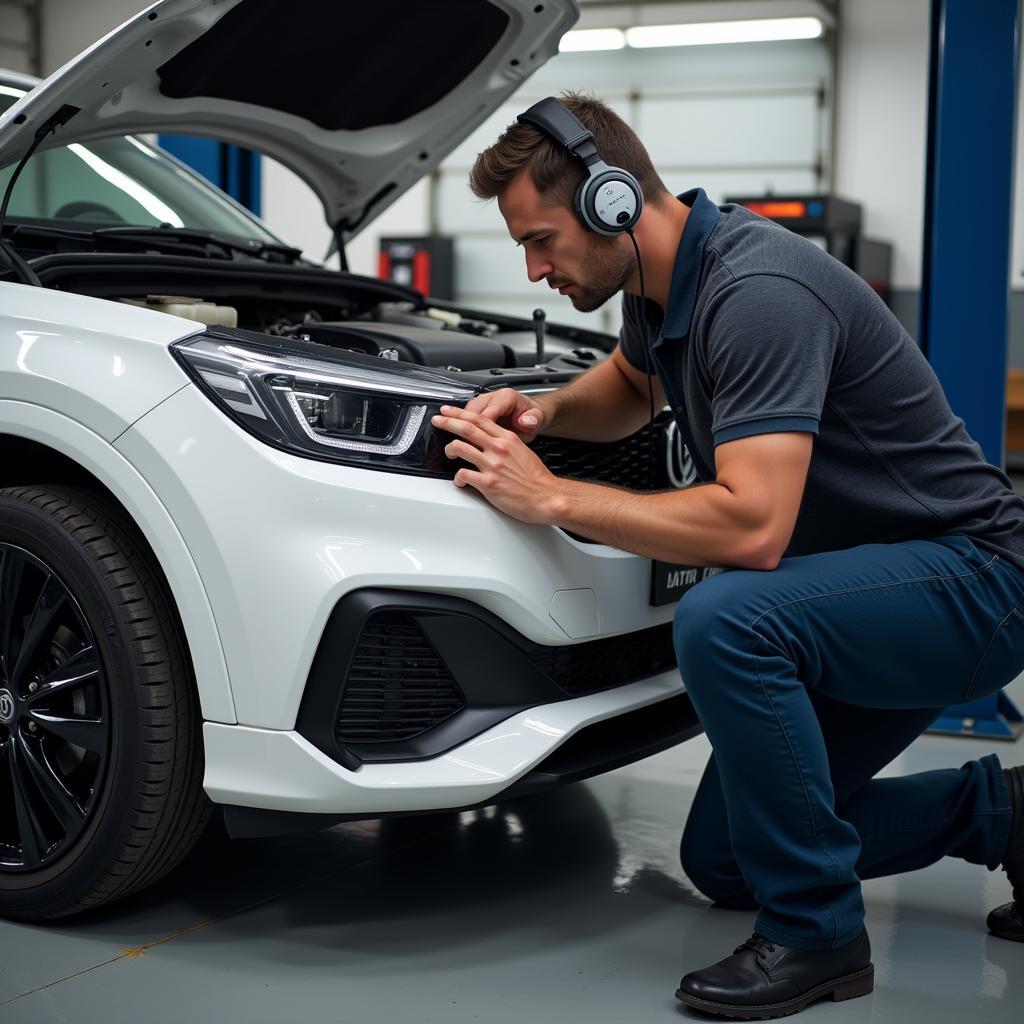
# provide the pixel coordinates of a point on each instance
(281, 541)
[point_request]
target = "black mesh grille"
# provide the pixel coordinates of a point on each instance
(397, 686)
(601, 664)
(636, 462)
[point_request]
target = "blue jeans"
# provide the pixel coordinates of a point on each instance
(811, 678)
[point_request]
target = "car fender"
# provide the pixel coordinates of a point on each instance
(120, 477)
(100, 362)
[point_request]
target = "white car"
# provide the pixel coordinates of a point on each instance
(234, 570)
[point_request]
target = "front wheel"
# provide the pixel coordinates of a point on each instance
(100, 742)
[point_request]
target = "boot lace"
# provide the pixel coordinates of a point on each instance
(758, 943)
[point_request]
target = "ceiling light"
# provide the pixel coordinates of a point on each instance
(593, 39)
(702, 34)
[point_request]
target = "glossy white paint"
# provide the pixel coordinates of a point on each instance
(283, 771)
(278, 539)
(115, 85)
(100, 363)
(92, 452)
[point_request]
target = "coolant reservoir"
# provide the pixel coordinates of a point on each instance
(192, 309)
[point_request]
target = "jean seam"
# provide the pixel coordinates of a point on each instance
(800, 775)
(874, 586)
(785, 733)
(988, 647)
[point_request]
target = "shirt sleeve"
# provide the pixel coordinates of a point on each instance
(632, 339)
(769, 347)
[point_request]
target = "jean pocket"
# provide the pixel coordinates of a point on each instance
(1001, 661)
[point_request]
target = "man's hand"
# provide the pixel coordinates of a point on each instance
(510, 476)
(510, 409)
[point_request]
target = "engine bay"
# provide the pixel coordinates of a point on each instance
(324, 307)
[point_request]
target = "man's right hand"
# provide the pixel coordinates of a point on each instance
(512, 410)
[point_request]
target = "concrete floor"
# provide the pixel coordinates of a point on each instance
(567, 907)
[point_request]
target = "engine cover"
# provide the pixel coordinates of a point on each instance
(424, 346)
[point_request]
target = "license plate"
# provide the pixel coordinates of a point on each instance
(669, 581)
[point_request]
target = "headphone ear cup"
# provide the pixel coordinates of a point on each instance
(610, 202)
(578, 200)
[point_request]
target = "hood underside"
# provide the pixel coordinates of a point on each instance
(360, 100)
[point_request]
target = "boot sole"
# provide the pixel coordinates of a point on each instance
(1014, 936)
(850, 986)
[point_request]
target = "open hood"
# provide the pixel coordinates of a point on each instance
(359, 99)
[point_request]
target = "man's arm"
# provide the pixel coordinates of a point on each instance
(608, 402)
(744, 519)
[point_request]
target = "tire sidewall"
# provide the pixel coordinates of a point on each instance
(26, 525)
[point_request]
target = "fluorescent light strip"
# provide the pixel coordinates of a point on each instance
(703, 34)
(592, 39)
(155, 206)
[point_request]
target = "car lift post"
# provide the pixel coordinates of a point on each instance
(231, 168)
(962, 327)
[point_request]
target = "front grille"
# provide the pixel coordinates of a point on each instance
(637, 462)
(397, 686)
(597, 665)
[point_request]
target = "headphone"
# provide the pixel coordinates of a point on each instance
(608, 200)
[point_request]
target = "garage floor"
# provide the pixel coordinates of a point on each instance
(568, 907)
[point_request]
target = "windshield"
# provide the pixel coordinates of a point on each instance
(119, 181)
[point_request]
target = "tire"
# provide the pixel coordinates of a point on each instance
(91, 650)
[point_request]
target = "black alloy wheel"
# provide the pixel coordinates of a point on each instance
(54, 714)
(101, 759)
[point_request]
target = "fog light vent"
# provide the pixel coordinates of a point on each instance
(397, 686)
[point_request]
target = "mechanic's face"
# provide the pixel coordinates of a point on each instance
(587, 267)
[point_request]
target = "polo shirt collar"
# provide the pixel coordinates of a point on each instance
(682, 290)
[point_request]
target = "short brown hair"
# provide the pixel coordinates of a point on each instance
(554, 170)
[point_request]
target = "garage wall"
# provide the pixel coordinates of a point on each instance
(881, 129)
(881, 114)
(69, 26)
(731, 119)
(18, 37)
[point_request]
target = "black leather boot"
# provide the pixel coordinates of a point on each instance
(762, 979)
(1007, 921)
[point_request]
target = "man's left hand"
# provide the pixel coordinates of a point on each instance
(507, 473)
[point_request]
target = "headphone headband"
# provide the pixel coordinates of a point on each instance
(555, 119)
(609, 199)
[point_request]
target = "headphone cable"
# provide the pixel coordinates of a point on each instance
(647, 348)
(643, 317)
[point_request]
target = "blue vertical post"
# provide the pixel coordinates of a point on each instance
(231, 168)
(967, 233)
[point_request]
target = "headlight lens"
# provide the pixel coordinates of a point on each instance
(354, 410)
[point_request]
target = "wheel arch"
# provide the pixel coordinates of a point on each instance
(43, 447)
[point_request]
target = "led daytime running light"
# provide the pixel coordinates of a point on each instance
(413, 422)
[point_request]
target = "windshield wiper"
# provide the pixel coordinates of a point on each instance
(190, 241)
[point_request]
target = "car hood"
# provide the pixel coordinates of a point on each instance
(359, 99)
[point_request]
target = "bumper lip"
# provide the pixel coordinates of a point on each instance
(283, 771)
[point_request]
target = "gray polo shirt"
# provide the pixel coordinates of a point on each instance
(764, 332)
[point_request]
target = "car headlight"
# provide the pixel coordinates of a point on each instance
(357, 409)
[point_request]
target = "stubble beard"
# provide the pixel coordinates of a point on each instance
(607, 269)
